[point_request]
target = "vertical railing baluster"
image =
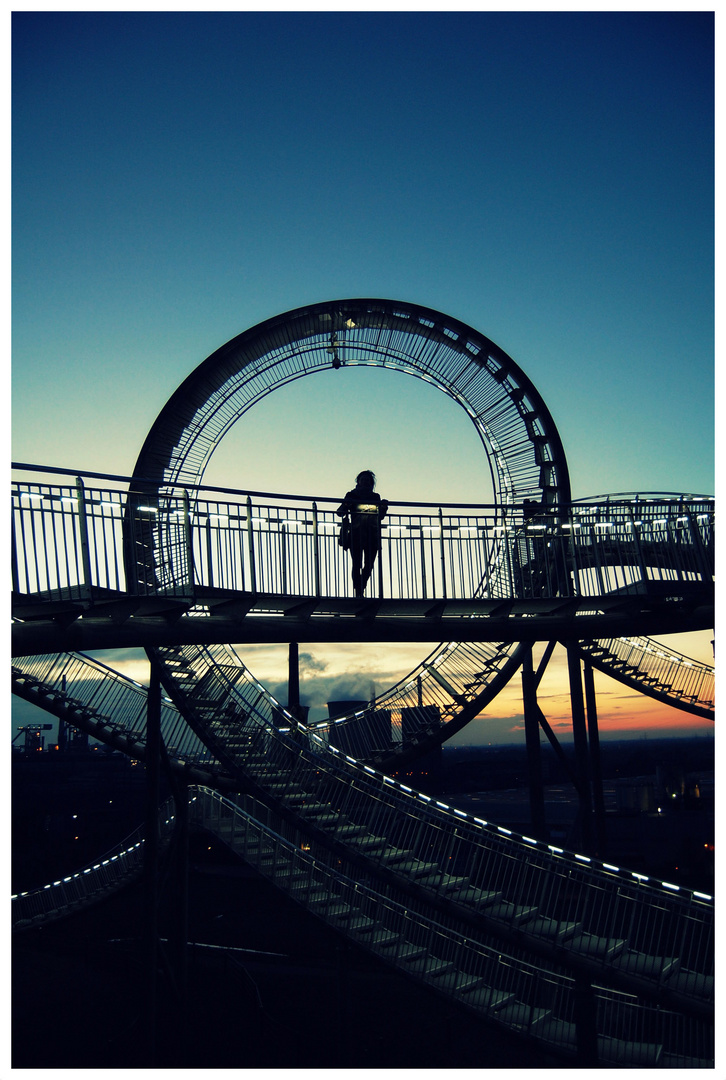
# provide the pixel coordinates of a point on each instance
(14, 551)
(85, 584)
(283, 556)
(697, 541)
(188, 542)
(210, 561)
(422, 551)
(251, 547)
(316, 552)
(441, 552)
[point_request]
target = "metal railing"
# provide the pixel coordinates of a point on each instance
(656, 668)
(111, 706)
(617, 912)
(101, 878)
(328, 789)
(503, 983)
(75, 542)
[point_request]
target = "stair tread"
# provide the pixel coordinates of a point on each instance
(487, 997)
(628, 1052)
(519, 1014)
(592, 945)
(692, 982)
(553, 929)
(638, 963)
(506, 910)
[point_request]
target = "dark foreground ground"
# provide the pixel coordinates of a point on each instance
(314, 1001)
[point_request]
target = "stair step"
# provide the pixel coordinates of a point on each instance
(625, 1052)
(518, 1014)
(680, 1061)
(592, 945)
(465, 982)
(431, 966)
(332, 905)
(637, 963)
(408, 952)
(692, 982)
(451, 884)
(383, 937)
(368, 842)
(415, 868)
(478, 898)
(506, 911)
(553, 929)
(264, 857)
(336, 908)
(394, 856)
(315, 894)
(430, 880)
(561, 1033)
(360, 923)
(487, 997)
(320, 817)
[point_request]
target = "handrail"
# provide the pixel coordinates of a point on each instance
(501, 981)
(554, 508)
(72, 540)
(409, 837)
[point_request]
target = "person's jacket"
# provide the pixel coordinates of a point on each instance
(366, 508)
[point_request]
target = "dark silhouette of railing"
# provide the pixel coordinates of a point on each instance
(383, 852)
(71, 542)
(439, 944)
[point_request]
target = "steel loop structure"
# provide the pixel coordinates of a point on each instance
(522, 445)
(568, 950)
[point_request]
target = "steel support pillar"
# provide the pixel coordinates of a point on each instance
(151, 858)
(293, 680)
(595, 761)
(180, 896)
(585, 1022)
(579, 733)
(534, 750)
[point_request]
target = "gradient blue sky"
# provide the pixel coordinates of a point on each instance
(544, 177)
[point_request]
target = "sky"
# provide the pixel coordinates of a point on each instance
(545, 177)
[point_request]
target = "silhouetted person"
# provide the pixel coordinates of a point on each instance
(366, 510)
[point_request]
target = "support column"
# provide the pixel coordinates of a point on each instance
(595, 761)
(579, 732)
(585, 1022)
(151, 857)
(181, 909)
(532, 740)
(293, 680)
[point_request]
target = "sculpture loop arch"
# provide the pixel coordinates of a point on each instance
(523, 447)
(517, 431)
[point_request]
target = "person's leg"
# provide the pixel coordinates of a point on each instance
(356, 556)
(370, 551)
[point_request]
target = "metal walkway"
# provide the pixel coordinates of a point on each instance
(429, 883)
(586, 957)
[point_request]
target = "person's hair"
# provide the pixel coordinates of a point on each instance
(366, 475)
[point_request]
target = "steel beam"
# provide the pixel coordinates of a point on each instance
(37, 636)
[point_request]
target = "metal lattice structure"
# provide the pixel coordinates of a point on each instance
(523, 447)
(509, 925)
